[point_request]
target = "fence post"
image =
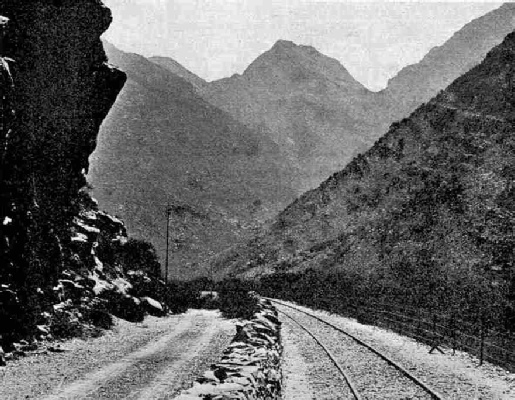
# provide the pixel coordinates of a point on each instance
(482, 344)
(399, 320)
(504, 347)
(436, 337)
(418, 330)
(453, 333)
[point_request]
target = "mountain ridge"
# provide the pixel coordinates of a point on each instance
(179, 70)
(443, 64)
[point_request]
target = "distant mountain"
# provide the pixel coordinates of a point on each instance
(319, 115)
(431, 202)
(162, 143)
(417, 83)
(242, 147)
(305, 102)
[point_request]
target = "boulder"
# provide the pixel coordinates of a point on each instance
(2, 357)
(124, 306)
(153, 307)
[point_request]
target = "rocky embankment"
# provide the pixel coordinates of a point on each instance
(250, 368)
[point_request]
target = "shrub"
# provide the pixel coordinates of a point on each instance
(236, 301)
(97, 315)
(65, 324)
(181, 296)
(139, 255)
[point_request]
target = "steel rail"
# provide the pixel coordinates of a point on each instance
(333, 359)
(433, 393)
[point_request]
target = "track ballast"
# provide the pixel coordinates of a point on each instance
(366, 372)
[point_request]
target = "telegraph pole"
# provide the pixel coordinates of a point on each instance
(168, 211)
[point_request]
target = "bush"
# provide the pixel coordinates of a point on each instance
(66, 324)
(11, 317)
(236, 301)
(181, 296)
(97, 315)
(139, 255)
(208, 301)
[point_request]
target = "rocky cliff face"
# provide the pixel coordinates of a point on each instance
(63, 89)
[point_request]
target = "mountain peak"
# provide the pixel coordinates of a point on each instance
(287, 61)
(284, 44)
(287, 45)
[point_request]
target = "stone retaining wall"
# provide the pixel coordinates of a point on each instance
(250, 367)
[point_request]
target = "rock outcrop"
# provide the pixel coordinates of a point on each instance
(57, 94)
(250, 368)
(93, 287)
(96, 283)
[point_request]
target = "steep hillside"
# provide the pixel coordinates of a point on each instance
(417, 83)
(305, 102)
(427, 211)
(162, 143)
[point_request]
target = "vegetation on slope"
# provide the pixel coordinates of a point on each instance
(426, 217)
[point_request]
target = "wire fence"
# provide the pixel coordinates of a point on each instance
(439, 331)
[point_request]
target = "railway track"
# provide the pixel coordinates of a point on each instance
(366, 372)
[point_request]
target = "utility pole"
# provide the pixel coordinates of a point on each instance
(168, 212)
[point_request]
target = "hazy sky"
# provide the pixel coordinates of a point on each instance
(216, 38)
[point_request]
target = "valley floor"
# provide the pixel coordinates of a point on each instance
(150, 360)
(309, 374)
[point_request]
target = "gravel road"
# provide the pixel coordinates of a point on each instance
(455, 377)
(151, 360)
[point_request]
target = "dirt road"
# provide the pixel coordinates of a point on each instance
(151, 360)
